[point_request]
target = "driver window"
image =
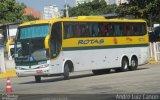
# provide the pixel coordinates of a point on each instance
(56, 39)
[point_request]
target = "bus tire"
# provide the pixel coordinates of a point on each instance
(124, 65)
(66, 72)
(38, 79)
(134, 64)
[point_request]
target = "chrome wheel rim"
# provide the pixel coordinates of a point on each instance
(133, 63)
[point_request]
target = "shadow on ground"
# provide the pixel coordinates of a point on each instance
(60, 78)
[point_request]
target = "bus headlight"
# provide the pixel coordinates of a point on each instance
(17, 68)
(43, 66)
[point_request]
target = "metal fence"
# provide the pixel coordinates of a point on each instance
(155, 51)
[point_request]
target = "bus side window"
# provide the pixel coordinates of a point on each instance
(128, 29)
(143, 29)
(94, 29)
(73, 30)
(69, 30)
(90, 29)
(121, 29)
(78, 30)
(136, 29)
(124, 33)
(117, 31)
(87, 30)
(111, 30)
(65, 31)
(106, 29)
(101, 29)
(132, 29)
(84, 30)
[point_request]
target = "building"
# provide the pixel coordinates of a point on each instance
(82, 1)
(32, 12)
(118, 2)
(7, 32)
(51, 11)
(109, 2)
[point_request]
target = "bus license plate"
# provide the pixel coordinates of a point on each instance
(39, 71)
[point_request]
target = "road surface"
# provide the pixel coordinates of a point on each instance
(144, 80)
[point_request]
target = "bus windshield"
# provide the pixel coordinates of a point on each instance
(29, 45)
(34, 31)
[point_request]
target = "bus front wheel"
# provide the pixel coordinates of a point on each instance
(38, 79)
(66, 72)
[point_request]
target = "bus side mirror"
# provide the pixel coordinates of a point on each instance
(12, 52)
(46, 42)
(8, 44)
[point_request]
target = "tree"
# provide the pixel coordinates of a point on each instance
(146, 9)
(96, 7)
(11, 11)
(29, 18)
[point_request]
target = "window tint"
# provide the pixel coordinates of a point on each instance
(102, 29)
(34, 31)
(56, 39)
(117, 29)
(81, 29)
(70, 30)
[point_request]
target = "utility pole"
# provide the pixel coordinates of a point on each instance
(67, 15)
(120, 2)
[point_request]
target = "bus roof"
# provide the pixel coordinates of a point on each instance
(81, 18)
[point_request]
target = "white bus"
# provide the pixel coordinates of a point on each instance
(63, 45)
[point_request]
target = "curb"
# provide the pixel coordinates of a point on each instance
(153, 62)
(11, 73)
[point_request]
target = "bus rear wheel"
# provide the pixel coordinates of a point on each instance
(66, 72)
(134, 64)
(38, 79)
(124, 65)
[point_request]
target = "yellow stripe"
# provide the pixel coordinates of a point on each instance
(74, 42)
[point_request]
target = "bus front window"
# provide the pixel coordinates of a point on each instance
(29, 46)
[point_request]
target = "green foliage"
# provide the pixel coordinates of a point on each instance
(29, 18)
(10, 11)
(97, 7)
(143, 9)
(146, 9)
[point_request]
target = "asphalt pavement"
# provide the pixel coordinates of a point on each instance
(144, 80)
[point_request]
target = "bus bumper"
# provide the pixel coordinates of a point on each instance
(32, 72)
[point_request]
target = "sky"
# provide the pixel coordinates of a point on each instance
(39, 4)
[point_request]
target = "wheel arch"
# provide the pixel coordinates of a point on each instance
(122, 57)
(71, 65)
(133, 56)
